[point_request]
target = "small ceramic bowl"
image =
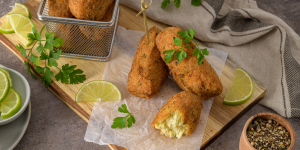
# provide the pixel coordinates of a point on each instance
(21, 85)
(245, 144)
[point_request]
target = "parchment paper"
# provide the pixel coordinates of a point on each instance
(141, 135)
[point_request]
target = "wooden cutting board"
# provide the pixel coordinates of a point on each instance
(221, 116)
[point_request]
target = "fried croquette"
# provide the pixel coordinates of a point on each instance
(180, 115)
(148, 72)
(89, 9)
(201, 80)
(70, 34)
(59, 8)
(96, 33)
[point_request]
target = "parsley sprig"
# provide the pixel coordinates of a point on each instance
(67, 74)
(180, 54)
(120, 122)
(178, 2)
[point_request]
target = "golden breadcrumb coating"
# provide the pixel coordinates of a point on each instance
(179, 116)
(201, 80)
(148, 72)
(96, 33)
(89, 9)
(59, 8)
(70, 34)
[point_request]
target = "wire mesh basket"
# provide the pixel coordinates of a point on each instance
(83, 39)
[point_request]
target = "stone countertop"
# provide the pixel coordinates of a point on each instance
(54, 125)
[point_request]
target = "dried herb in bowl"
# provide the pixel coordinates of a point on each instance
(268, 135)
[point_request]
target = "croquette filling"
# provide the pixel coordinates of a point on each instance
(172, 126)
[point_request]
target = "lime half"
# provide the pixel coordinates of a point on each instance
(22, 26)
(6, 28)
(21, 9)
(96, 91)
(4, 86)
(8, 76)
(240, 90)
(11, 105)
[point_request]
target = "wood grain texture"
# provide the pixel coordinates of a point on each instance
(221, 116)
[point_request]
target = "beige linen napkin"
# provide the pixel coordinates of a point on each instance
(257, 41)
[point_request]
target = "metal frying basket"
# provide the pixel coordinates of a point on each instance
(83, 39)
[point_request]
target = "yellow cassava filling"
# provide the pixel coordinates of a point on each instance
(172, 126)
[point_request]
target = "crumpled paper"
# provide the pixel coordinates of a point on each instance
(141, 135)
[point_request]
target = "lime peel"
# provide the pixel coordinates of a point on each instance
(96, 91)
(4, 86)
(11, 105)
(240, 90)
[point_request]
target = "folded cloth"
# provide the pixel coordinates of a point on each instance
(257, 41)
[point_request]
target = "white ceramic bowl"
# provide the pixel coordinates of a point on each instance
(21, 85)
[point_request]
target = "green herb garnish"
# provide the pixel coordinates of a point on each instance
(67, 74)
(120, 122)
(180, 54)
(178, 2)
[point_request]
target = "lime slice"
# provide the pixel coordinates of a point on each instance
(21, 9)
(4, 86)
(8, 76)
(6, 28)
(11, 105)
(22, 26)
(96, 91)
(240, 90)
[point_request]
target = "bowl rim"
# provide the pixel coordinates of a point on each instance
(287, 124)
(25, 101)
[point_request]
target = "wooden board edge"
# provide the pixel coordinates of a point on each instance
(230, 123)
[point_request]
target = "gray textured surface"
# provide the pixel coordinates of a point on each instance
(55, 126)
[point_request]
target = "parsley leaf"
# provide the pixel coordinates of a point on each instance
(40, 48)
(76, 77)
(21, 49)
(200, 58)
(123, 109)
(40, 70)
(34, 59)
(52, 62)
(180, 55)
(184, 34)
(196, 2)
(168, 58)
(165, 3)
(130, 120)
(187, 36)
(205, 51)
(67, 74)
(46, 77)
(55, 55)
(120, 122)
(177, 3)
(177, 41)
(63, 77)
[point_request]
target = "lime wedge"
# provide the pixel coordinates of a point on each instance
(11, 105)
(6, 28)
(21, 9)
(96, 91)
(22, 26)
(8, 76)
(240, 90)
(4, 86)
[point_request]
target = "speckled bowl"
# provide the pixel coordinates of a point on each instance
(244, 143)
(21, 85)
